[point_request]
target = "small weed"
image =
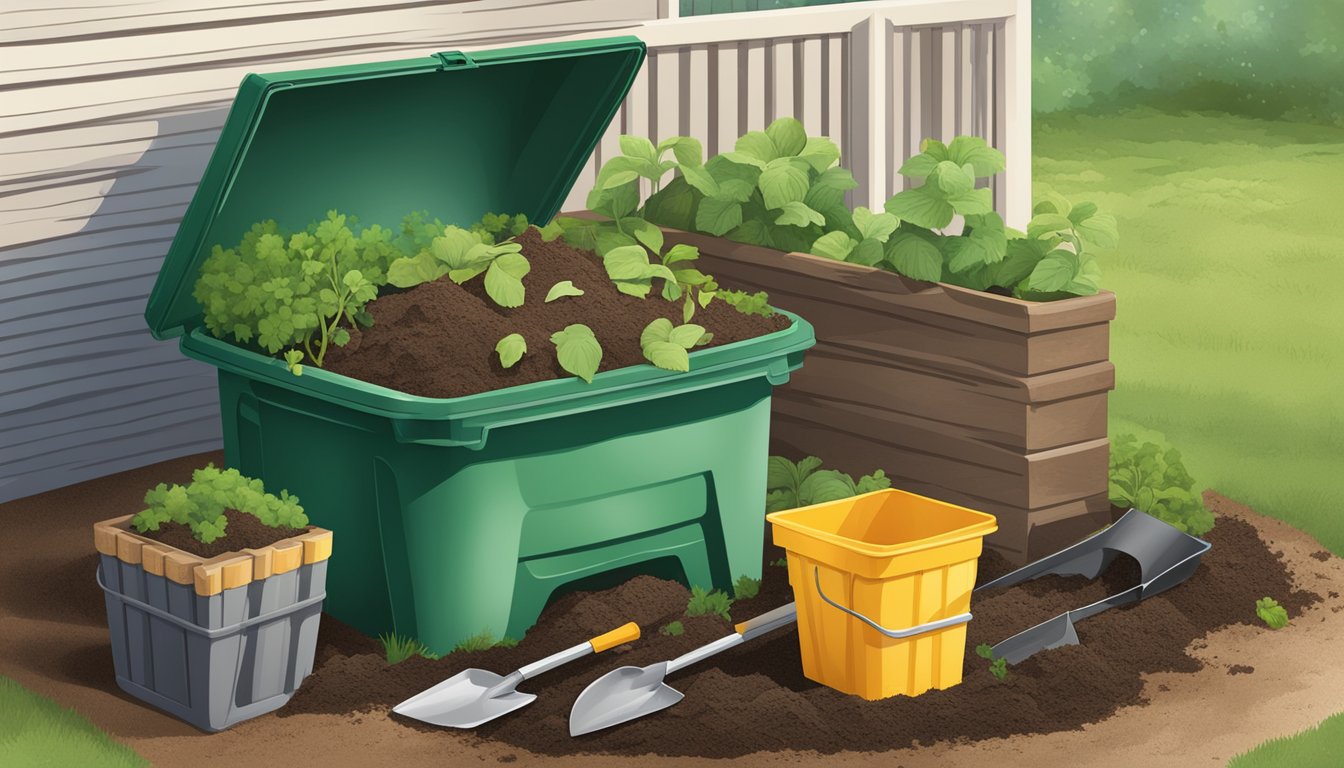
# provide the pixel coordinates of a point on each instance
(398, 648)
(673, 629)
(484, 641)
(1270, 612)
(746, 588)
(997, 667)
(782, 562)
(704, 603)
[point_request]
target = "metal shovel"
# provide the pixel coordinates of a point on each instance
(475, 696)
(629, 693)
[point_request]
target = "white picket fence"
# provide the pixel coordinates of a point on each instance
(876, 77)
(109, 111)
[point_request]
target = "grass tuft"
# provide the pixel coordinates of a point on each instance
(37, 731)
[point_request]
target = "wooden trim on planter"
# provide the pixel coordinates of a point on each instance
(210, 576)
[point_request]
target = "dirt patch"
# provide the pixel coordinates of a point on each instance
(1321, 555)
(241, 531)
(438, 339)
(1240, 669)
(755, 698)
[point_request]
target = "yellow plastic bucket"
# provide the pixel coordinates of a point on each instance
(883, 585)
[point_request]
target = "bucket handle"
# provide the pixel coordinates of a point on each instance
(897, 634)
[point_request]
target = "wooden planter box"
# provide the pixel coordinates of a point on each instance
(213, 642)
(980, 400)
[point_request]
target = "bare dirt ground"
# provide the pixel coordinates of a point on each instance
(53, 639)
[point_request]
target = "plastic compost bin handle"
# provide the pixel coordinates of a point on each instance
(626, 633)
(897, 634)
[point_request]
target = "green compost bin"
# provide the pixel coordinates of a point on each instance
(464, 515)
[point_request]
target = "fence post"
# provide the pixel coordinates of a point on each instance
(1017, 115)
(869, 69)
(669, 9)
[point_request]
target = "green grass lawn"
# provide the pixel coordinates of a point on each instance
(36, 732)
(1229, 337)
(1313, 748)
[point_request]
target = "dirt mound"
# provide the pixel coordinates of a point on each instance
(438, 339)
(755, 698)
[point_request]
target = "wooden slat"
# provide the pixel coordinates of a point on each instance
(809, 73)
(783, 86)
(833, 83)
(757, 93)
(726, 111)
(696, 94)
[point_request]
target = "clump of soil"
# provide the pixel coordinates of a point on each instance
(438, 339)
(755, 697)
(243, 531)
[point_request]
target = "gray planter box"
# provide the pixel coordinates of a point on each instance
(213, 642)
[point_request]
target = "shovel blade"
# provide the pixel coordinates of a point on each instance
(461, 701)
(622, 695)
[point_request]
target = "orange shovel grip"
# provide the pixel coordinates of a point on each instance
(619, 636)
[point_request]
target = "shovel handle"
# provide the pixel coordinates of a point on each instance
(626, 633)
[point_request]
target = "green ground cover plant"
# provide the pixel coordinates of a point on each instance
(398, 648)
(799, 484)
(746, 588)
(1316, 747)
(673, 629)
(1274, 615)
(998, 667)
(484, 641)
(200, 504)
(1151, 478)
(35, 731)
(709, 603)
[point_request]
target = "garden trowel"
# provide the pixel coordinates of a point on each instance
(476, 696)
(629, 693)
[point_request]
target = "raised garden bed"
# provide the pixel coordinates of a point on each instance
(755, 698)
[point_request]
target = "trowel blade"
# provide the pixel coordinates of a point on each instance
(461, 701)
(622, 695)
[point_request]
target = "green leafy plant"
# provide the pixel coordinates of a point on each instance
(746, 588)
(496, 227)
(511, 349)
(200, 504)
(1057, 257)
(866, 246)
(484, 641)
(998, 667)
(630, 270)
(711, 603)
(398, 649)
(578, 350)
(461, 255)
(562, 289)
(781, 563)
(1151, 478)
(747, 303)
(673, 629)
(300, 291)
(789, 485)
(668, 346)
(1270, 612)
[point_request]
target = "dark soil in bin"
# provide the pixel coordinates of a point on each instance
(438, 339)
(243, 531)
(755, 697)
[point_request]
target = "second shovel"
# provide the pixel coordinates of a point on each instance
(629, 693)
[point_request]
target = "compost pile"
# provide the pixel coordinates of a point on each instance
(438, 339)
(755, 697)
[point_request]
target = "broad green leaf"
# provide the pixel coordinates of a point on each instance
(788, 137)
(973, 202)
(736, 181)
(914, 257)
(1274, 615)
(686, 335)
(608, 239)
(1088, 279)
(973, 151)
(665, 354)
(875, 226)
(686, 149)
(638, 147)
(919, 166)
(922, 206)
(1021, 257)
(560, 290)
(934, 148)
(293, 360)
(1047, 200)
(868, 253)
(687, 309)
(1099, 231)
(637, 288)
(647, 234)
(679, 253)
(504, 279)
(510, 349)
(408, 273)
(985, 243)
(782, 183)
(658, 330)
(1082, 212)
(1054, 272)
(717, 217)
(741, 157)
(952, 179)
(834, 245)
(622, 201)
(754, 232)
(340, 337)
(673, 205)
(781, 473)
(820, 153)
(628, 262)
(578, 351)
(617, 179)
(756, 145)
(825, 485)
(797, 214)
(580, 233)
(1047, 225)
(700, 178)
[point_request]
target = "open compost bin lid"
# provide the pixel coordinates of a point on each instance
(454, 134)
